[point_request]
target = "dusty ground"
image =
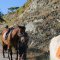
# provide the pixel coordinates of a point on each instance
(33, 54)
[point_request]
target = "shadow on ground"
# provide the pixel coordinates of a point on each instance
(37, 54)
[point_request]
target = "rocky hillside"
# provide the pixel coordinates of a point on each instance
(42, 21)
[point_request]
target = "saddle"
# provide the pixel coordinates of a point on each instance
(7, 33)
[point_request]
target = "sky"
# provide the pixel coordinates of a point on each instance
(5, 4)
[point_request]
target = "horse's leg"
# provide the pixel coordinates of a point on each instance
(24, 56)
(3, 52)
(8, 53)
(16, 53)
(21, 57)
(11, 53)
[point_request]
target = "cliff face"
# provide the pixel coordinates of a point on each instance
(42, 21)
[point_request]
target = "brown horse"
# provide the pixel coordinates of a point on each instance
(12, 40)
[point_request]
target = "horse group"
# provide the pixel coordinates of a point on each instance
(18, 39)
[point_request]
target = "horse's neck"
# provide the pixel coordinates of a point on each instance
(14, 32)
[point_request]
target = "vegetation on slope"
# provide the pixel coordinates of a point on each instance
(12, 17)
(22, 9)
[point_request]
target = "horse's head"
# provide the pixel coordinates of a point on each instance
(21, 29)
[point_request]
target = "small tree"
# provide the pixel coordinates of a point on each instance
(12, 9)
(1, 18)
(1, 14)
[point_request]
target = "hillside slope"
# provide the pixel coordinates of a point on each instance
(12, 17)
(42, 20)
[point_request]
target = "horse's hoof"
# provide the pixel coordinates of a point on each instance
(3, 56)
(16, 58)
(11, 59)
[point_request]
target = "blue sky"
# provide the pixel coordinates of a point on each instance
(5, 4)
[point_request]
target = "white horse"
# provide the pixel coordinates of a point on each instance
(55, 48)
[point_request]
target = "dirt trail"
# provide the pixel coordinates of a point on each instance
(30, 55)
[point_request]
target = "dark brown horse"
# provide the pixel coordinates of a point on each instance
(23, 41)
(18, 39)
